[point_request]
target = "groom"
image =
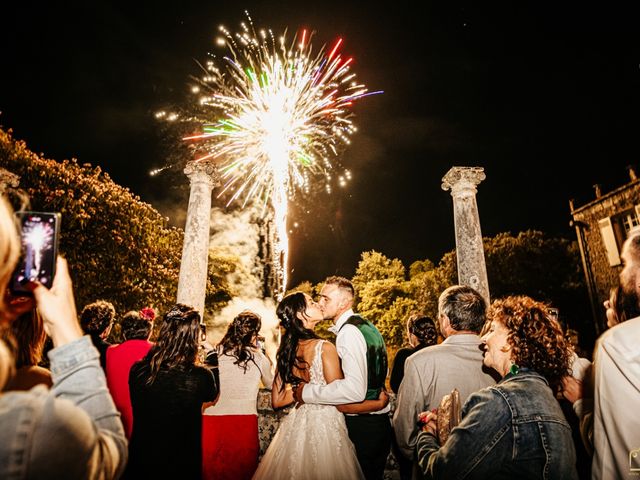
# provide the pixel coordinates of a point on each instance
(364, 362)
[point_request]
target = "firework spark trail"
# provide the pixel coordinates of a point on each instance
(36, 239)
(280, 113)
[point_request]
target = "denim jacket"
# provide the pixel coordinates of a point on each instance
(70, 431)
(514, 429)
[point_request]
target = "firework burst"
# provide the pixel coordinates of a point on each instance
(275, 113)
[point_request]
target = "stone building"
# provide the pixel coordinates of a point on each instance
(602, 225)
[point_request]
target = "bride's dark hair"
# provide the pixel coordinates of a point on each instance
(294, 331)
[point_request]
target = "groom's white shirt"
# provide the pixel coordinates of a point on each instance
(352, 350)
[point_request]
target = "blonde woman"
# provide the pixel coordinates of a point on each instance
(78, 410)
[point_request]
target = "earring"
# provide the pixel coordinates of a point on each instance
(514, 369)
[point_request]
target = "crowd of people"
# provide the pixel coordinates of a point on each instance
(479, 389)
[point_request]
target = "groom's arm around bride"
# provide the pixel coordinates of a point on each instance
(362, 352)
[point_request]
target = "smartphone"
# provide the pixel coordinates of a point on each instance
(260, 343)
(39, 232)
(203, 331)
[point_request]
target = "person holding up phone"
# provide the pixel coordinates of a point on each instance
(230, 427)
(78, 411)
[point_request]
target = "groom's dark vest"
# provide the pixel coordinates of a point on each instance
(376, 355)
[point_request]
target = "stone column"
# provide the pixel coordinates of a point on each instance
(472, 270)
(192, 283)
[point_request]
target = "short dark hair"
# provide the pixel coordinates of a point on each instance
(464, 306)
(342, 283)
(97, 316)
(134, 327)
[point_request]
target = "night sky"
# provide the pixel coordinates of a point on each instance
(545, 97)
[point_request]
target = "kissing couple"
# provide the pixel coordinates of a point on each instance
(340, 428)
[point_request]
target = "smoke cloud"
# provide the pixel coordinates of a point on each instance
(237, 233)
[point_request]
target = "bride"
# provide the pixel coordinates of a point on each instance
(312, 441)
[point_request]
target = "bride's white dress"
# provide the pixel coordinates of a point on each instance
(312, 441)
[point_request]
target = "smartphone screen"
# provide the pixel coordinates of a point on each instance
(39, 238)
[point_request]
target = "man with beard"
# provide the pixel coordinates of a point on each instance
(616, 435)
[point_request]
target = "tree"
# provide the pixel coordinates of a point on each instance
(384, 296)
(393, 322)
(304, 287)
(220, 266)
(420, 267)
(375, 266)
(530, 263)
(543, 267)
(119, 248)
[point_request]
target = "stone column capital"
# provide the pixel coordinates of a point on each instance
(462, 181)
(203, 172)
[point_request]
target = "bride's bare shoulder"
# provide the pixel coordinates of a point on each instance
(328, 347)
(307, 348)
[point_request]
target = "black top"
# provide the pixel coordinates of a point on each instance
(397, 371)
(167, 424)
(102, 346)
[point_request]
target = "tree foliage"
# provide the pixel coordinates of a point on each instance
(118, 248)
(375, 266)
(529, 263)
(384, 296)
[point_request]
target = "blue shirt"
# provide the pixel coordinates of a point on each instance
(70, 431)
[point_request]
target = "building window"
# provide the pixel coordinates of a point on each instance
(615, 230)
(629, 220)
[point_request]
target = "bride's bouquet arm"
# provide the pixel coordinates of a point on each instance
(281, 395)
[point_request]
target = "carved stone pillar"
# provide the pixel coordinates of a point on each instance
(192, 283)
(472, 270)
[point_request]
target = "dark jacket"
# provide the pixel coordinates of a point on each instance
(102, 346)
(397, 371)
(514, 429)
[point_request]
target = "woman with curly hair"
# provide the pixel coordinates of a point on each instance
(230, 443)
(516, 427)
(96, 320)
(169, 390)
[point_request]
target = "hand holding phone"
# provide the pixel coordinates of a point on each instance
(58, 308)
(39, 232)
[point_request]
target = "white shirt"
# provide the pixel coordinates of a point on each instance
(352, 350)
(616, 425)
